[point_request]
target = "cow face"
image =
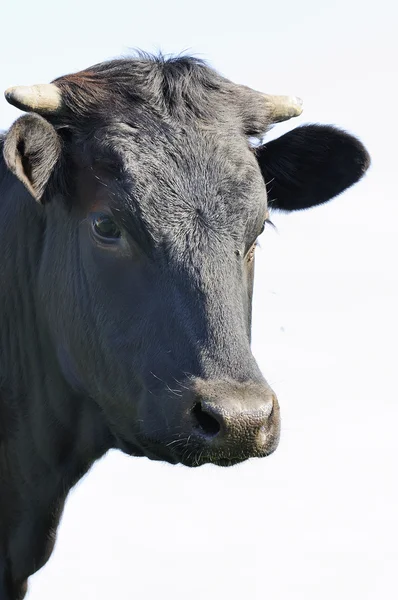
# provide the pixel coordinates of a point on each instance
(153, 200)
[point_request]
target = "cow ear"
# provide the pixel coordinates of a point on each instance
(310, 165)
(31, 151)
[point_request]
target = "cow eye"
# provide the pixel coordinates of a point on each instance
(105, 227)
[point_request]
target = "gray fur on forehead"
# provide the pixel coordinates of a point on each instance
(181, 88)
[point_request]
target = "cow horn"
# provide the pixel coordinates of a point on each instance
(45, 99)
(282, 108)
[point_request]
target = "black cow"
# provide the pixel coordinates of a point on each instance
(131, 198)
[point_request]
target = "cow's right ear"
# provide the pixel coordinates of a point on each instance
(31, 150)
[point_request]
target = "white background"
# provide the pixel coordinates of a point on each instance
(318, 519)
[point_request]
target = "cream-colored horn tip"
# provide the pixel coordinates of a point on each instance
(9, 93)
(43, 99)
(18, 95)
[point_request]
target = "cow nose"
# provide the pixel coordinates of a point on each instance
(237, 422)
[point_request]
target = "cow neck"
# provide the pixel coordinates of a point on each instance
(49, 435)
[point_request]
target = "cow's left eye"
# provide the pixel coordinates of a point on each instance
(105, 227)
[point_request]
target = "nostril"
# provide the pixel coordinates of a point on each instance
(205, 423)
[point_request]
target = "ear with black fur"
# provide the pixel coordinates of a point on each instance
(310, 165)
(31, 151)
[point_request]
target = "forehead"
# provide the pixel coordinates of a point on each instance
(176, 156)
(170, 139)
(174, 172)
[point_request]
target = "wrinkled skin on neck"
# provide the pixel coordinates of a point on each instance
(49, 435)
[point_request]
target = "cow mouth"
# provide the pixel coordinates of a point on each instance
(190, 457)
(158, 452)
(213, 460)
(198, 460)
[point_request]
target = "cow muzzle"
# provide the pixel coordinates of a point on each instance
(226, 423)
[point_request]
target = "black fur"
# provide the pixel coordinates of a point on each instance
(127, 344)
(310, 165)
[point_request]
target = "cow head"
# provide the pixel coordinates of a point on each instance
(152, 199)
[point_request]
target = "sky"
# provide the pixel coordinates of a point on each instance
(317, 519)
